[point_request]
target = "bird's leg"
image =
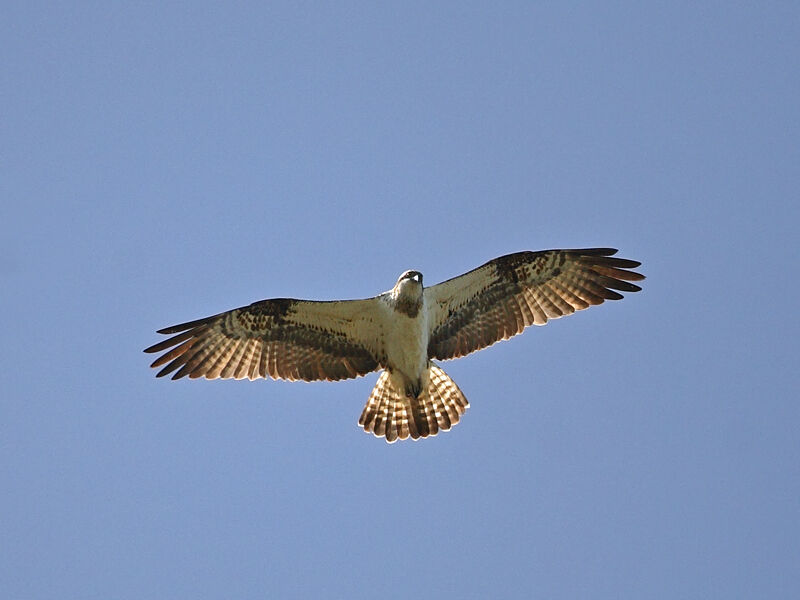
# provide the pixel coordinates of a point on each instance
(414, 389)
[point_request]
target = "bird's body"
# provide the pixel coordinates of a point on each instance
(405, 321)
(400, 331)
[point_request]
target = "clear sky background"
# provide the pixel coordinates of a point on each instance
(162, 162)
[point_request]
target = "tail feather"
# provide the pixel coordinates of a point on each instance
(401, 424)
(419, 423)
(390, 426)
(380, 416)
(392, 414)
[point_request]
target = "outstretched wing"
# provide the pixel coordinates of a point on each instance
(281, 338)
(499, 299)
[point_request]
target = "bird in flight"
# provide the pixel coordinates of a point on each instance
(401, 331)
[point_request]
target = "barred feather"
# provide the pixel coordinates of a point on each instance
(390, 413)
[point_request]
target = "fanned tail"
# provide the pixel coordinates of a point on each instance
(392, 414)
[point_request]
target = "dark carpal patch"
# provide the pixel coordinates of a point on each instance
(512, 267)
(257, 318)
(521, 265)
(276, 308)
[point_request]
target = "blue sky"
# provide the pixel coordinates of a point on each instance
(166, 161)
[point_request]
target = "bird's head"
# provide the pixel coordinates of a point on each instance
(414, 276)
(409, 285)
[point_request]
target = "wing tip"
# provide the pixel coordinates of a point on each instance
(179, 328)
(164, 372)
(603, 257)
(596, 251)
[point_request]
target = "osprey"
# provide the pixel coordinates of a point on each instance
(400, 331)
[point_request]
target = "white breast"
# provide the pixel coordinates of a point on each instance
(406, 341)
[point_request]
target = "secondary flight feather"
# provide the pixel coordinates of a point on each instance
(400, 331)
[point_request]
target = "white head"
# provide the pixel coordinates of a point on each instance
(414, 276)
(408, 292)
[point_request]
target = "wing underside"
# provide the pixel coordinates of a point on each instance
(501, 298)
(281, 338)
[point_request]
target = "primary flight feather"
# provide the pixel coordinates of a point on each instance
(399, 331)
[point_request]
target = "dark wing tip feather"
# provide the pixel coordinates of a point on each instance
(614, 271)
(633, 276)
(168, 369)
(607, 271)
(603, 258)
(185, 326)
(616, 284)
(610, 294)
(619, 262)
(596, 251)
(169, 342)
(185, 330)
